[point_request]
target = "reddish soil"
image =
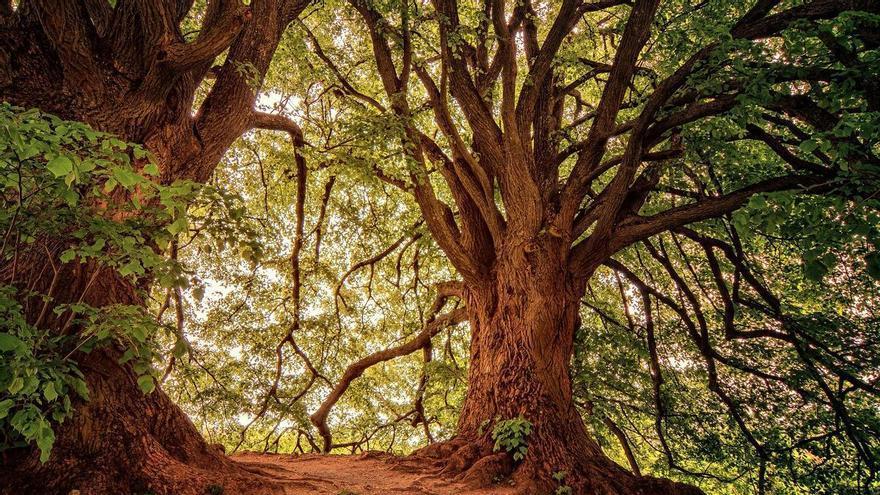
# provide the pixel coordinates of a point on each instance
(367, 474)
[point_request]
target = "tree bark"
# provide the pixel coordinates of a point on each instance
(127, 70)
(120, 440)
(523, 324)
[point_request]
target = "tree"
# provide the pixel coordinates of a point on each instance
(553, 161)
(567, 137)
(141, 71)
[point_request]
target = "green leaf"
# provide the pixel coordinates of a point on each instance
(49, 392)
(139, 153)
(71, 197)
(126, 177)
(28, 151)
(67, 256)
(180, 348)
(815, 270)
(60, 166)
(178, 226)
(45, 440)
(132, 267)
(110, 185)
(9, 342)
(86, 166)
(16, 385)
(31, 384)
(151, 169)
(808, 146)
(127, 356)
(5, 406)
(81, 388)
(146, 383)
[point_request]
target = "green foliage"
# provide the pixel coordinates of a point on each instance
(837, 315)
(816, 251)
(40, 379)
(511, 435)
(824, 228)
(563, 488)
(75, 196)
(56, 176)
(36, 382)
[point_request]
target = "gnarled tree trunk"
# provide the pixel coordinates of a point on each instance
(127, 69)
(523, 325)
(120, 440)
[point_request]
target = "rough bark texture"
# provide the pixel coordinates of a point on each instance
(527, 221)
(127, 69)
(523, 325)
(122, 441)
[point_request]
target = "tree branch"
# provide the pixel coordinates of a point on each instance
(432, 327)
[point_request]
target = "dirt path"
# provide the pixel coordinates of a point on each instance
(367, 474)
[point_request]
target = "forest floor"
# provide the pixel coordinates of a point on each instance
(366, 474)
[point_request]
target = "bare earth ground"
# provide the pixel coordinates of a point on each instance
(366, 474)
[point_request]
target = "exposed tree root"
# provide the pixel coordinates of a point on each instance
(124, 442)
(475, 464)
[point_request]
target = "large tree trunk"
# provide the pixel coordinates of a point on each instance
(119, 441)
(122, 441)
(68, 62)
(523, 325)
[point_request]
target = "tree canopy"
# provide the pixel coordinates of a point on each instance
(675, 202)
